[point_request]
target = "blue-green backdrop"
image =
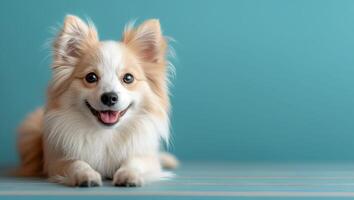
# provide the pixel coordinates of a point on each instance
(257, 80)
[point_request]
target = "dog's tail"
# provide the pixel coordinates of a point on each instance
(30, 145)
(168, 161)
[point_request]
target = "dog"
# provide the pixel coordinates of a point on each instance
(107, 109)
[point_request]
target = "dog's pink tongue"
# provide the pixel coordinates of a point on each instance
(109, 117)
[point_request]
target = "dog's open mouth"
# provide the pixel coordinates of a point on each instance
(107, 117)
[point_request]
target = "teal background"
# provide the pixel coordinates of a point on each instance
(256, 80)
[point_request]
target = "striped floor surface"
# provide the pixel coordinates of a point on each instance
(211, 181)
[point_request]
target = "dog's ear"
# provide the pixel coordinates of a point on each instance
(74, 37)
(147, 41)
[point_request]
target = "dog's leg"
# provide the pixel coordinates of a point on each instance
(138, 171)
(74, 173)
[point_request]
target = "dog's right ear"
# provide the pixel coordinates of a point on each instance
(73, 39)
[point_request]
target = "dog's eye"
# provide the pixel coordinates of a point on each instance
(91, 77)
(128, 78)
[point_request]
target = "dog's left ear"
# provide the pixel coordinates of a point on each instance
(147, 41)
(74, 38)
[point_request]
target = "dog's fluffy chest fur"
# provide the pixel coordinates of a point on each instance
(103, 149)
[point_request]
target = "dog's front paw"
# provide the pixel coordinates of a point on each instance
(87, 178)
(127, 178)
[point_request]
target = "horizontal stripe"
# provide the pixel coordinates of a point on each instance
(269, 177)
(180, 193)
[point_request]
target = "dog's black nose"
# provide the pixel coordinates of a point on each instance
(109, 98)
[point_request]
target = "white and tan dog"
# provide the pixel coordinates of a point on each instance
(107, 110)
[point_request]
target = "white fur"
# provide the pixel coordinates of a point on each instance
(69, 133)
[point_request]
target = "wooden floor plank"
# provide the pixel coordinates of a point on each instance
(211, 180)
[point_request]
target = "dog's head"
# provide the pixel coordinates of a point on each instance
(109, 82)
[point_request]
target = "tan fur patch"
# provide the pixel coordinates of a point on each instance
(86, 43)
(149, 47)
(30, 145)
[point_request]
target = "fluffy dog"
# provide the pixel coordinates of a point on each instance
(107, 109)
